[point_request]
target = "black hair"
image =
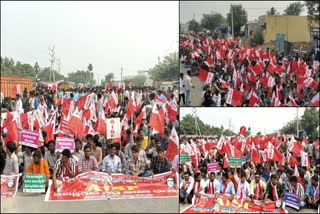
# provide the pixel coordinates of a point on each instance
(212, 173)
(37, 154)
(78, 141)
(89, 136)
(225, 175)
(293, 179)
(113, 146)
(11, 146)
(243, 174)
(135, 148)
(96, 139)
(51, 141)
(196, 175)
(117, 145)
(87, 147)
(315, 178)
(66, 152)
(273, 176)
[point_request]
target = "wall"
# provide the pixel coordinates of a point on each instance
(295, 28)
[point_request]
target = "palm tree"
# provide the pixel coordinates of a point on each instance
(272, 12)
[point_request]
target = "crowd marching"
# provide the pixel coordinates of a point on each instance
(147, 135)
(239, 75)
(272, 166)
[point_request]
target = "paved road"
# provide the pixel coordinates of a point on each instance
(195, 95)
(34, 203)
(290, 210)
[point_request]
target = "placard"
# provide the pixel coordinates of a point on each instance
(292, 200)
(9, 185)
(234, 160)
(34, 183)
(64, 143)
(213, 167)
(184, 158)
(29, 138)
(113, 128)
(244, 159)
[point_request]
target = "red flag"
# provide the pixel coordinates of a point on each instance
(255, 156)
(81, 102)
(225, 161)
(16, 90)
(172, 108)
(54, 88)
(223, 83)
(50, 131)
(13, 132)
(205, 76)
(271, 68)
(243, 131)
(155, 120)
(75, 124)
(234, 97)
(131, 108)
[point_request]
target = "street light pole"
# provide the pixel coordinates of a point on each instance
(232, 20)
(36, 68)
(121, 74)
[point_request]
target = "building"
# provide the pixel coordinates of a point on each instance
(295, 28)
(251, 28)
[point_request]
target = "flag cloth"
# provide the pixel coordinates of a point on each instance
(155, 120)
(173, 147)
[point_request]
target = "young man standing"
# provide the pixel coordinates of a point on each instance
(12, 165)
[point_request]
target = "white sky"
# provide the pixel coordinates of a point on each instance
(110, 35)
(258, 119)
(195, 9)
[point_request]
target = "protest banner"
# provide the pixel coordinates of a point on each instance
(9, 185)
(213, 167)
(64, 143)
(206, 204)
(292, 200)
(244, 159)
(184, 158)
(29, 138)
(234, 160)
(34, 183)
(113, 128)
(64, 128)
(101, 186)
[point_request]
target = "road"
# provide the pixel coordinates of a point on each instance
(290, 210)
(195, 95)
(34, 203)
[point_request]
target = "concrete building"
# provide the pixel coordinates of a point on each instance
(295, 28)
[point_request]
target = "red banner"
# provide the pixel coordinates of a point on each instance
(9, 185)
(206, 204)
(101, 186)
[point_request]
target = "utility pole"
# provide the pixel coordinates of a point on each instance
(232, 20)
(52, 60)
(121, 73)
(158, 60)
(194, 110)
(297, 123)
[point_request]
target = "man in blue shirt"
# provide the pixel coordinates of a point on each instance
(36, 101)
(226, 186)
(312, 193)
(111, 163)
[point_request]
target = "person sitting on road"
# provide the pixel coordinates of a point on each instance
(257, 188)
(87, 163)
(65, 167)
(313, 193)
(136, 165)
(274, 192)
(297, 189)
(160, 163)
(112, 163)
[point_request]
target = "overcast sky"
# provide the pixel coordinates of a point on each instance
(107, 34)
(258, 119)
(195, 9)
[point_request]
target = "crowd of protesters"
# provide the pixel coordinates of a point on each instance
(141, 150)
(260, 78)
(259, 178)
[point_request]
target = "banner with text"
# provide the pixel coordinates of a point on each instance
(206, 204)
(29, 138)
(113, 128)
(9, 185)
(292, 200)
(64, 143)
(184, 158)
(34, 183)
(102, 186)
(234, 160)
(213, 167)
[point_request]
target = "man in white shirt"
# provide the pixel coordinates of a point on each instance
(188, 85)
(186, 186)
(212, 185)
(12, 165)
(243, 186)
(198, 187)
(19, 108)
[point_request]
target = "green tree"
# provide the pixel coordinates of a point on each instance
(108, 77)
(294, 9)
(272, 12)
(137, 80)
(313, 8)
(240, 18)
(212, 21)
(90, 67)
(43, 75)
(11, 68)
(194, 26)
(167, 69)
(289, 128)
(258, 38)
(81, 76)
(310, 121)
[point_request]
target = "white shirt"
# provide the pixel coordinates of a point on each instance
(244, 187)
(182, 89)
(215, 184)
(188, 83)
(189, 187)
(217, 99)
(19, 108)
